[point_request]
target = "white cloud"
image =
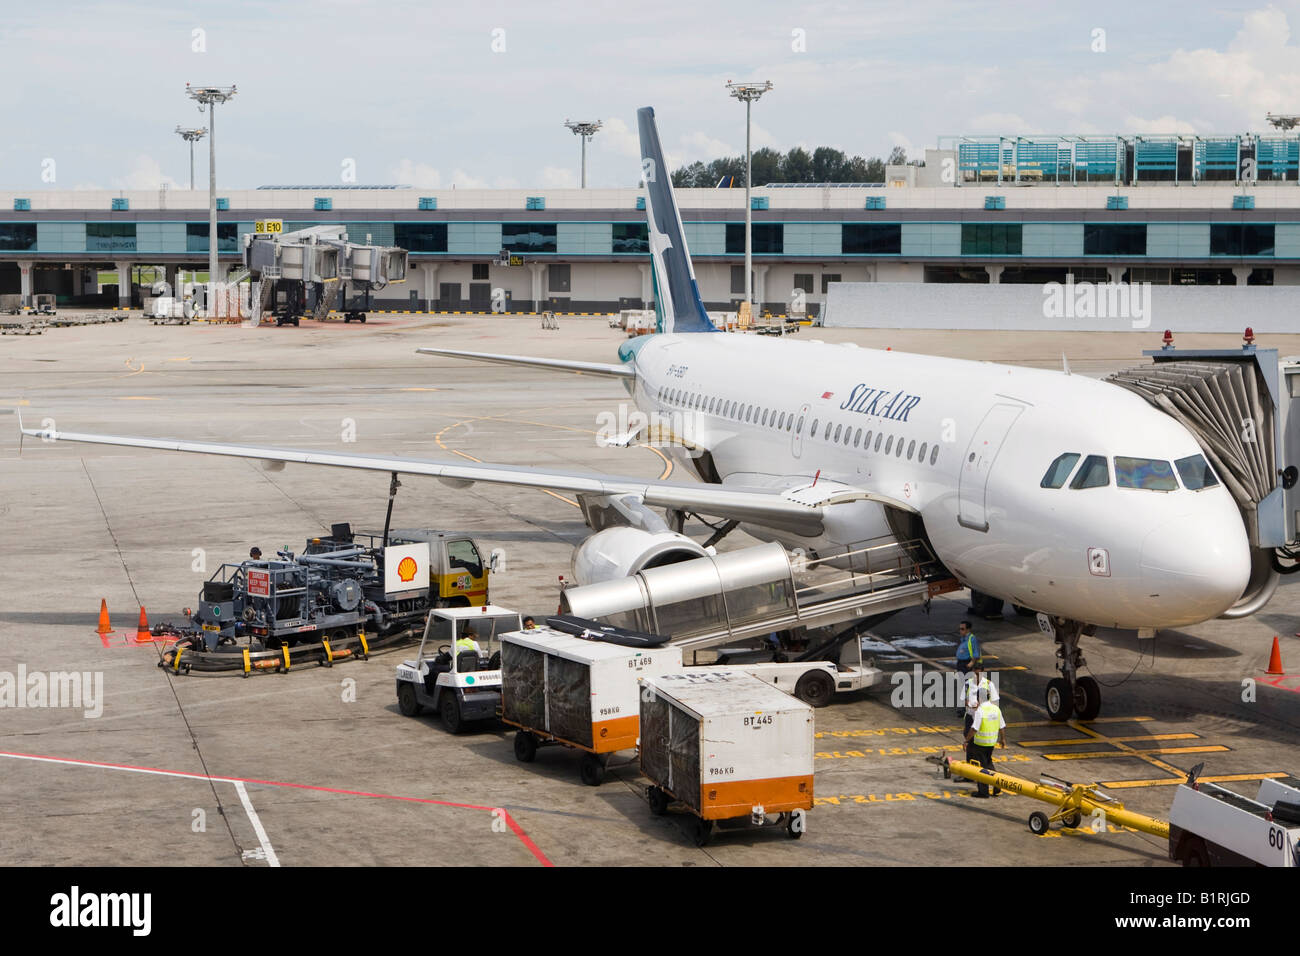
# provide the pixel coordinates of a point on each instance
(145, 172)
(557, 177)
(421, 175)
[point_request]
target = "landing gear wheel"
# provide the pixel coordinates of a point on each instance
(985, 606)
(407, 702)
(525, 747)
(450, 710)
(1059, 700)
(701, 831)
(1087, 698)
(1073, 820)
(658, 801)
(1038, 823)
(815, 688)
(591, 769)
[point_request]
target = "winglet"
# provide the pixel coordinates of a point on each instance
(1065, 364)
(677, 295)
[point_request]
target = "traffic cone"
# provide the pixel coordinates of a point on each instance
(1275, 659)
(142, 635)
(104, 626)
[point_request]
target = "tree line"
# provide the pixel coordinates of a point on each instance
(823, 165)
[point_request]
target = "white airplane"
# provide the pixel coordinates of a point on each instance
(1062, 494)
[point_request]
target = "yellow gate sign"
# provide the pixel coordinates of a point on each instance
(267, 227)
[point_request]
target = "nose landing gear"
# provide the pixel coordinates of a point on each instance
(1070, 693)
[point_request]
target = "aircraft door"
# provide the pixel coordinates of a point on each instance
(796, 433)
(973, 482)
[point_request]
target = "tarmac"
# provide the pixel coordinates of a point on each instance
(317, 766)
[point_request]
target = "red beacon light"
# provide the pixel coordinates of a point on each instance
(1248, 338)
(1168, 339)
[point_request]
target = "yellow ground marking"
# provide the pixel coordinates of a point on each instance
(1122, 747)
(179, 358)
(1088, 755)
(438, 438)
(1068, 741)
(419, 390)
(1170, 782)
(1095, 720)
(668, 465)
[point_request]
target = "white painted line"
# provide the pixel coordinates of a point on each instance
(257, 824)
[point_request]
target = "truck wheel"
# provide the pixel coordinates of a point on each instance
(1038, 823)
(407, 702)
(450, 710)
(702, 831)
(796, 824)
(591, 769)
(1087, 698)
(658, 801)
(815, 688)
(525, 747)
(1059, 700)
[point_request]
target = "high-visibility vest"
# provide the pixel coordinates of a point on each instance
(969, 647)
(465, 644)
(990, 721)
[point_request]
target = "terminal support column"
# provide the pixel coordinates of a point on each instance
(995, 274)
(760, 288)
(1242, 274)
(536, 269)
(430, 284)
(124, 284)
(25, 274)
(647, 286)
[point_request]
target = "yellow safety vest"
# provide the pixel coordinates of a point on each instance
(465, 644)
(986, 735)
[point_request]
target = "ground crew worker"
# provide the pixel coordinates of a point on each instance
(530, 624)
(969, 653)
(255, 553)
(466, 640)
(987, 732)
(974, 681)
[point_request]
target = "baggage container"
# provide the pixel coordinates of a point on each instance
(726, 745)
(557, 688)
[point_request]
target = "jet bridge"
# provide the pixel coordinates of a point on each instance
(1243, 406)
(754, 592)
(312, 270)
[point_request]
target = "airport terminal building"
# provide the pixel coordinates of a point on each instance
(1178, 210)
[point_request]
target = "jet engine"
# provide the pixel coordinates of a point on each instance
(621, 551)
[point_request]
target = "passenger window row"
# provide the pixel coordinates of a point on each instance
(783, 421)
(1148, 474)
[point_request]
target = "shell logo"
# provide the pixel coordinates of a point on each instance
(406, 569)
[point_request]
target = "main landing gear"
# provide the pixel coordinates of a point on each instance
(1070, 693)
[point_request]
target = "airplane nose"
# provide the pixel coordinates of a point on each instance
(1197, 565)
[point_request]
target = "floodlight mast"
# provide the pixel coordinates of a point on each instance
(191, 135)
(210, 96)
(584, 129)
(747, 93)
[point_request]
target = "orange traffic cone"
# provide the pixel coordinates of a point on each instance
(1275, 659)
(142, 635)
(104, 626)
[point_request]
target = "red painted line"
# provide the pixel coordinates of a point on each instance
(510, 821)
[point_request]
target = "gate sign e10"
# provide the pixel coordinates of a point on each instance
(268, 227)
(406, 567)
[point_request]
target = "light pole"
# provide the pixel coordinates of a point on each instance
(747, 93)
(210, 96)
(191, 135)
(586, 130)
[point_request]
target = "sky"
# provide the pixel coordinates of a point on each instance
(433, 95)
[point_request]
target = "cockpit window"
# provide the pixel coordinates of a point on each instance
(1149, 473)
(1092, 474)
(1195, 472)
(1059, 470)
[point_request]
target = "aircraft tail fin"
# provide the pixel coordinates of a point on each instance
(678, 306)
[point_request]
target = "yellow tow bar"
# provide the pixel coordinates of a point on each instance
(1072, 800)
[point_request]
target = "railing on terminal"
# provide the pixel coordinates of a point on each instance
(1124, 159)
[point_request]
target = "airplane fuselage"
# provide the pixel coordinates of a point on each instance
(968, 445)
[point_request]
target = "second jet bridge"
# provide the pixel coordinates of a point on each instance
(754, 592)
(298, 270)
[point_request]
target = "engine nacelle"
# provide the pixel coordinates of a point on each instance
(619, 552)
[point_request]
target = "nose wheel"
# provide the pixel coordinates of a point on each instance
(1070, 693)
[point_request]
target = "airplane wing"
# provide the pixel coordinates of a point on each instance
(773, 509)
(563, 365)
